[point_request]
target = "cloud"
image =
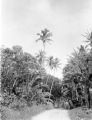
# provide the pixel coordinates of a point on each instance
(70, 6)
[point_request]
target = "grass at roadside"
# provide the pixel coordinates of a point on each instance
(27, 113)
(23, 114)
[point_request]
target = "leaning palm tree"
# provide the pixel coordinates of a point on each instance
(44, 36)
(50, 61)
(53, 64)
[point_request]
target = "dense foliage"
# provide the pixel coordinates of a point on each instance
(77, 77)
(21, 75)
(24, 79)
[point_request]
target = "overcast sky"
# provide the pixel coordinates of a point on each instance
(66, 19)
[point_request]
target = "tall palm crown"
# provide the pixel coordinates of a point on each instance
(44, 36)
(41, 57)
(53, 63)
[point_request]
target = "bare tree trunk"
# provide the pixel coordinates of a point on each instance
(88, 94)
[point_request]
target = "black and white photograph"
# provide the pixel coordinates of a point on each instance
(45, 59)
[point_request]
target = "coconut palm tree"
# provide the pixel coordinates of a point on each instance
(44, 36)
(53, 64)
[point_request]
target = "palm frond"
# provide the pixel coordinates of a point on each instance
(37, 39)
(44, 36)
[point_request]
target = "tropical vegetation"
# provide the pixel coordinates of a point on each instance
(26, 82)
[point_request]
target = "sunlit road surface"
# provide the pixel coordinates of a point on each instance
(57, 115)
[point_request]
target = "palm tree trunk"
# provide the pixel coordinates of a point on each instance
(51, 88)
(43, 47)
(47, 80)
